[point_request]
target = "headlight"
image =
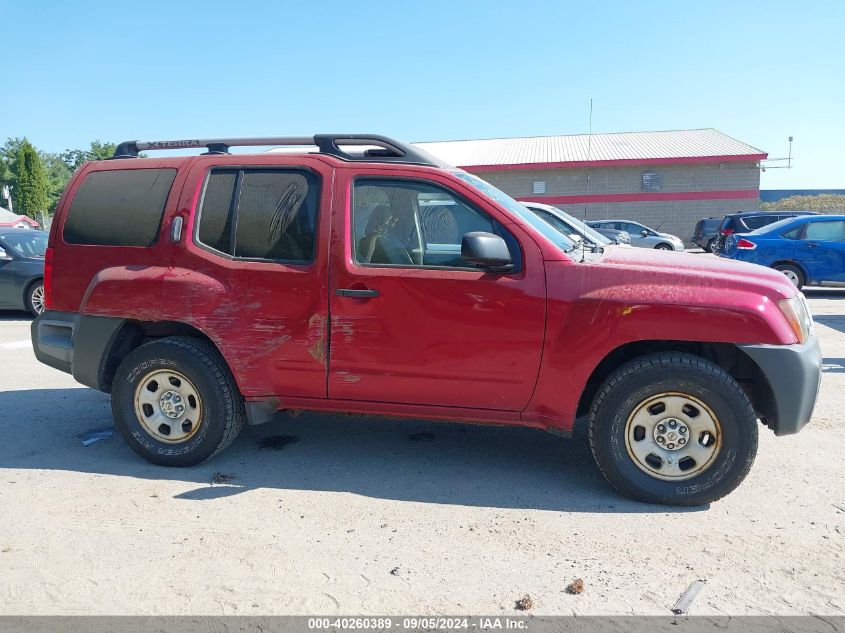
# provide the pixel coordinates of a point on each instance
(797, 314)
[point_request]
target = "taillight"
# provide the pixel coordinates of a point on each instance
(746, 244)
(727, 231)
(48, 279)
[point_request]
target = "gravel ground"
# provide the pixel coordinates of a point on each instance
(325, 514)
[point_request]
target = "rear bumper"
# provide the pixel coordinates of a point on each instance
(76, 344)
(793, 373)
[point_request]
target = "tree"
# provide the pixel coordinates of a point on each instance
(58, 174)
(98, 150)
(823, 203)
(32, 192)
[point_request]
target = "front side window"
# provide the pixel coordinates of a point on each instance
(826, 231)
(266, 214)
(412, 223)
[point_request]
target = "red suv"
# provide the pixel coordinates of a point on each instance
(368, 277)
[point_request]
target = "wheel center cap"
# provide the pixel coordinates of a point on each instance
(171, 404)
(671, 434)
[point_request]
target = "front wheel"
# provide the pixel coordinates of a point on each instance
(175, 402)
(673, 428)
(664, 247)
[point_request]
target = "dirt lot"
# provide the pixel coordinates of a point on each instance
(324, 514)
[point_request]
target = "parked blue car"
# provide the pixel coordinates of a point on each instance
(809, 250)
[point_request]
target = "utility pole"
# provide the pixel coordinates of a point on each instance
(8, 195)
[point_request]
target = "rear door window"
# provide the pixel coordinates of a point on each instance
(122, 207)
(260, 214)
(826, 231)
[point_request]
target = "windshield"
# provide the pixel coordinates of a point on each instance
(547, 230)
(29, 244)
(591, 234)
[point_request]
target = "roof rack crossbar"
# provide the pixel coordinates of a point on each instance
(389, 150)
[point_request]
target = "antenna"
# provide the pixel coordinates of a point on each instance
(587, 168)
(788, 160)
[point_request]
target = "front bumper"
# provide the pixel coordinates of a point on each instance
(793, 373)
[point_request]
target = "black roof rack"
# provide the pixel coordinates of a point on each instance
(387, 150)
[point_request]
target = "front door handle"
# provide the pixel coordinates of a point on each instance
(355, 292)
(812, 245)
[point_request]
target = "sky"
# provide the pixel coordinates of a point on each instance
(421, 71)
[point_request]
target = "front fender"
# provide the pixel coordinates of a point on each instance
(590, 317)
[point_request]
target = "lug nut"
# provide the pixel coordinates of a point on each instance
(670, 445)
(672, 424)
(661, 428)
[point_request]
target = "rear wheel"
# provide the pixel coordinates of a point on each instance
(673, 428)
(711, 245)
(175, 402)
(793, 273)
(35, 298)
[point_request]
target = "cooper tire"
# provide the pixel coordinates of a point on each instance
(647, 379)
(195, 367)
(793, 273)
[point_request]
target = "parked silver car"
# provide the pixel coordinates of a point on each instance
(641, 235)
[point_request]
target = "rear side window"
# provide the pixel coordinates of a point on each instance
(757, 221)
(268, 214)
(122, 207)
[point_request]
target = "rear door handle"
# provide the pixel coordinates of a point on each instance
(354, 292)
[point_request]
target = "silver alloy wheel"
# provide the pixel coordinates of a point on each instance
(168, 406)
(673, 436)
(36, 299)
(792, 276)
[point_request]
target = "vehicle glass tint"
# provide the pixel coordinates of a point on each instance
(556, 222)
(793, 234)
(122, 207)
(266, 214)
(827, 231)
(29, 244)
(410, 223)
(215, 226)
(757, 221)
(276, 218)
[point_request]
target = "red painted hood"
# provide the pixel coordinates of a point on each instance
(700, 270)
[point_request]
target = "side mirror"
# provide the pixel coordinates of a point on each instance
(487, 251)
(644, 233)
(4, 256)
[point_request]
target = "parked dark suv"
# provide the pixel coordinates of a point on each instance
(370, 278)
(705, 233)
(747, 222)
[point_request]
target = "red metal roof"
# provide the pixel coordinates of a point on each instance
(674, 146)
